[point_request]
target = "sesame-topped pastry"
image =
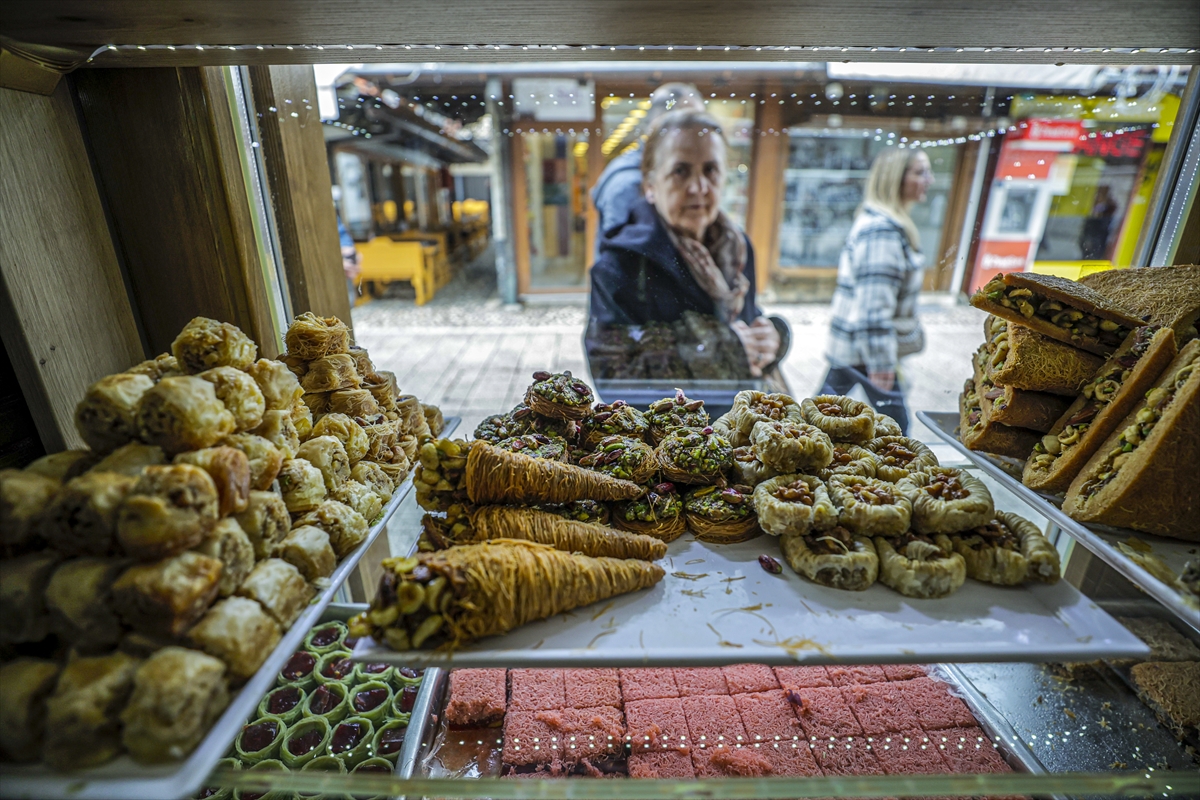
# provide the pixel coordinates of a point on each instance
(631, 459)
(844, 419)
(657, 513)
(869, 506)
(794, 504)
(789, 446)
(559, 396)
(750, 407)
(721, 516)
(672, 413)
(896, 456)
(946, 500)
(536, 445)
(694, 456)
(616, 419)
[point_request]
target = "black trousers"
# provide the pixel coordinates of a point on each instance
(840, 380)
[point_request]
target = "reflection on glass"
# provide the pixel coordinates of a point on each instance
(556, 181)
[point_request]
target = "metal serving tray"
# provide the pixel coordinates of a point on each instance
(125, 778)
(1099, 539)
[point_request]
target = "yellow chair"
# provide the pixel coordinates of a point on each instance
(384, 260)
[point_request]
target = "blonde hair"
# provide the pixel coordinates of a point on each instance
(684, 119)
(884, 187)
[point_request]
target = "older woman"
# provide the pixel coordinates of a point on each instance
(678, 251)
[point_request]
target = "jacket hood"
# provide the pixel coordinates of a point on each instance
(643, 234)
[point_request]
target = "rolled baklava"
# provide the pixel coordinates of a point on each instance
(262, 456)
(279, 588)
(946, 500)
(919, 566)
(166, 597)
(83, 725)
(302, 485)
(157, 368)
(63, 466)
(130, 459)
(170, 509)
(347, 528)
(265, 522)
(240, 394)
(206, 343)
(183, 413)
(896, 456)
(302, 418)
(240, 632)
(106, 417)
(307, 548)
(27, 683)
(230, 545)
(23, 580)
(23, 497)
(77, 598)
(327, 454)
(277, 428)
(843, 419)
(81, 519)
(359, 497)
(345, 430)
(177, 696)
(373, 476)
(277, 382)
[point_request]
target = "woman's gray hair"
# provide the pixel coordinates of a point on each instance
(683, 119)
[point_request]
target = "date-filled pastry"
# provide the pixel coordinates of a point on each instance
(302, 485)
(751, 407)
(166, 597)
(834, 557)
(353, 403)
(27, 682)
(183, 413)
(177, 696)
(23, 497)
(130, 459)
(277, 428)
(106, 417)
(302, 418)
(896, 456)
(230, 545)
(721, 516)
(83, 726)
(206, 343)
(347, 528)
(327, 454)
(359, 497)
(307, 548)
(793, 504)
(77, 598)
(229, 469)
(64, 465)
(946, 500)
(277, 382)
(373, 476)
(81, 519)
(265, 522)
(920, 566)
(311, 337)
(262, 456)
(345, 430)
(331, 373)
(279, 588)
(869, 506)
(790, 446)
(1007, 550)
(240, 394)
(170, 510)
(157, 368)
(239, 632)
(844, 419)
(23, 580)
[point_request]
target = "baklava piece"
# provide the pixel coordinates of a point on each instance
(920, 566)
(277, 428)
(373, 476)
(750, 407)
(63, 466)
(27, 683)
(896, 456)
(790, 446)
(265, 522)
(307, 548)
(81, 519)
(834, 557)
(23, 497)
(165, 598)
(311, 337)
(721, 516)
(353, 403)
(239, 393)
(359, 497)
(848, 459)
(106, 417)
(229, 469)
(179, 414)
(630, 459)
(793, 504)
(157, 368)
(869, 506)
(747, 468)
(279, 588)
(327, 454)
(170, 509)
(277, 383)
(345, 430)
(694, 456)
(130, 459)
(240, 633)
(946, 500)
(262, 456)
(206, 343)
(229, 544)
(177, 696)
(672, 413)
(302, 485)
(844, 419)
(347, 528)
(558, 396)
(331, 373)
(77, 598)
(1007, 550)
(23, 580)
(302, 418)
(83, 726)
(616, 419)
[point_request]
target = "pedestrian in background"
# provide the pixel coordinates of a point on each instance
(879, 278)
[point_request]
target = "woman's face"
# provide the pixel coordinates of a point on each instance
(685, 184)
(918, 177)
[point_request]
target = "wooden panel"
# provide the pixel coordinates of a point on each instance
(940, 266)
(168, 168)
(65, 316)
(520, 213)
(764, 211)
(301, 190)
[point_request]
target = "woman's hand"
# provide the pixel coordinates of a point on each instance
(760, 339)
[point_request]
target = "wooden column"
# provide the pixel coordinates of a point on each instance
(65, 315)
(169, 169)
(301, 191)
(764, 211)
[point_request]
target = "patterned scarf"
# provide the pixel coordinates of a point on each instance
(716, 264)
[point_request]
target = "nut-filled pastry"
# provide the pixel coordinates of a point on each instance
(230, 471)
(27, 682)
(206, 343)
(77, 598)
(106, 417)
(331, 373)
(166, 597)
(307, 548)
(262, 456)
(920, 566)
(346, 527)
(946, 500)
(373, 476)
(130, 459)
(81, 519)
(843, 419)
(833, 557)
(869, 506)
(23, 615)
(177, 696)
(1007, 550)
(302, 485)
(239, 632)
(327, 454)
(83, 715)
(23, 496)
(277, 428)
(279, 588)
(794, 504)
(345, 430)
(278, 384)
(790, 446)
(353, 403)
(170, 509)
(359, 497)
(230, 545)
(161, 366)
(240, 394)
(265, 522)
(311, 337)
(183, 413)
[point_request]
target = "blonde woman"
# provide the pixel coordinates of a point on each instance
(879, 277)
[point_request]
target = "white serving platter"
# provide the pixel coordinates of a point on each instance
(718, 606)
(1101, 540)
(126, 779)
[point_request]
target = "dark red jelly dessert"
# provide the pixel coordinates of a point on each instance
(338, 669)
(349, 642)
(410, 673)
(391, 740)
(323, 700)
(371, 698)
(299, 666)
(374, 669)
(375, 768)
(408, 698)
(323, 637)
(346, 737)
(283, 700)
(304, 743)
(259, 736)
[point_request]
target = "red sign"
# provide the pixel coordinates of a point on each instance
(1025, 164)
(1049, 130)
(1127, 144)
(999, 257)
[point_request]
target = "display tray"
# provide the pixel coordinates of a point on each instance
(717, 606)
(717, 395)
(125, 778)
(1101, 540)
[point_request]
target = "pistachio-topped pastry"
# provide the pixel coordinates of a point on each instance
(616, 419)
(658, 513)
(630, 459)
(559, 396)
(691, 456)
(499, 427)
(580, 511)
(671, 413)
(520, 421)
(721, 515)
(537, 445)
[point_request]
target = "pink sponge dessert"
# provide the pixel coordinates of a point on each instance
(911, 752)
(567, 735)
(774, 732)
(695, 681)
(903, 672)
(647, 684)
(859, 673)
(933, 704)
(742, 678)
(535, 689)
(655, 725)
(802, 677)
(823, 713)
(585, 688)
(968, 750)
(848, 756)
(732, 762)
(476, 697)
(661, 765)
(714, 726)
(879, 708)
